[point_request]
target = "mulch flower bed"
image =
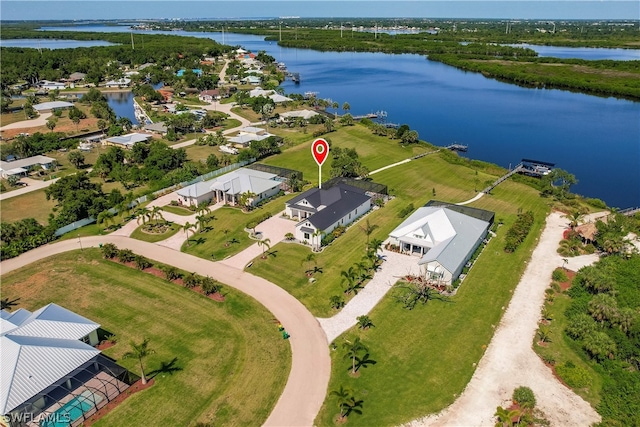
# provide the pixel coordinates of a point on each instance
(216, 296)
(134, 388)
(566, 285)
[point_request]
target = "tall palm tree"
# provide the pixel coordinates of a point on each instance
(310, 258)
(226, 232)
(368, 229)
(343, 395)
(140, 352)
(574, 218)
(349, 276)
(244, 200)
(156, 213)
(264, 243)
(353, 351)
(187, 227)
(144, 215)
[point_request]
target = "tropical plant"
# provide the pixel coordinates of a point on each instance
(290, 236)
(226, 232)
(350, 281)
(126, 255)
(336, 301)
(142, 262)
(544, 335)
(264, 243)
(505, 417)
(353, 350)
(364, 322)
(310, 260)
(245, 200)
(109, 250)
(368, 228)
(140, 351)
(188, 227)
(191, 280)
(7, 304)
(524, 396)
(343, 395)
(171, 272)
(410, 294)
(209, 285)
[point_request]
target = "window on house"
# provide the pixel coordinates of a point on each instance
(306, 236)
(349, 216)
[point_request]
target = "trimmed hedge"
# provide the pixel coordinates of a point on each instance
(518, 231)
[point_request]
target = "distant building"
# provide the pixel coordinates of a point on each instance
(76, 77)
(49, 85)
(248, 134)
(158, 127)
(304, 114)
(121, 82)
(50, 369)
(209, 95)
(49, 106)
(24, 166)
(127, 141)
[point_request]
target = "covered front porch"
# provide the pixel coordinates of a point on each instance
(414, 247)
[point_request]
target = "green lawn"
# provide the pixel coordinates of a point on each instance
(28, 205)
(211, 244)
(139, 234)
(232, 361)
(178, 210)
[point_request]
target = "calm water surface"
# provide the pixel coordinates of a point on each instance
(595, 138)
(53, 43)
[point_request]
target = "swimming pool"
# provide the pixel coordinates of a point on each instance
(72, 410)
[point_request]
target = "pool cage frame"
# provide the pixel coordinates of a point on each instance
(37, 408)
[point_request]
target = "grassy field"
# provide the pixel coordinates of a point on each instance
(211, 244)
(231, 361)
(178, 210)
(28, 205)
(139, 234)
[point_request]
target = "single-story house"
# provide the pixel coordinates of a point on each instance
(127, 141)
(321, 210)
(49, 85)
(252, 80)
(248, 134)
(121, 82)
(23, 166)
(49, 362)
(304, 114)
(143, 66)
(49, 106)
(76, 77)
(229, 187)
(158, 127)
(209, 95)
(260, 92)
(444, 236)
(277, 98)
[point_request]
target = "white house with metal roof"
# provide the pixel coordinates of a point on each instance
(127, 141)
(322, 210)
(229, 187)
(49, 106)
(47, 361)
(248, 134)
(443, 237)
(23, 166)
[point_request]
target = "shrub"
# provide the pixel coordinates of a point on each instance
(406, 210)
(524, 396)
(109, 250)
(209, 285)
(171, 272)
(559, 275)
(580, 326)
(191, 280)
(518, 231)
(142, 262)
(556, 287)
(547, 358)
(573, 375)
(336, 302)
(126, 255)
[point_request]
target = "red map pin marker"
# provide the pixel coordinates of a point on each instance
(319, 150)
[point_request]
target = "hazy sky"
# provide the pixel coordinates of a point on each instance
(207, 9)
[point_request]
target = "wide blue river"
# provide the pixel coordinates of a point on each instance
(595, 138)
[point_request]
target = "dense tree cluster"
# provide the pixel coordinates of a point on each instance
(346, 163)
(22, 236)
(604, 319)
(38, 143)
(518, 231)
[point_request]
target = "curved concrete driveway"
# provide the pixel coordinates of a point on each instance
(307, 384)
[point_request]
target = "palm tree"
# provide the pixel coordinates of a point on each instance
(574, 218)
(316, 234)
(343, 395)
(264, 243)
(140, 351)
(364, 322)
(7, 304)
(353, 351)
(106, 216)
(226, 231)
(505, 417)
(156, 213)
(310, 258)
(353, 405)
(368, 229)
(202, 221)
(350, 276)
(244, 200)
(143, 214)
(187, 227)
(346, 107)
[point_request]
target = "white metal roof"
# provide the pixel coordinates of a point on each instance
(31, 364)
(51, 105)
(26, 162)
(39, 348)
(129, 139)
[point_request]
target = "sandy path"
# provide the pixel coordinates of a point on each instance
(308, 379)
(511, 362)
(41, 120)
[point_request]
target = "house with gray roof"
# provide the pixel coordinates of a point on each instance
(24, 166)
(127, 141)
(50, 106)
(444, 237)
(322, 210)
(49, 369)
(230, 187)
